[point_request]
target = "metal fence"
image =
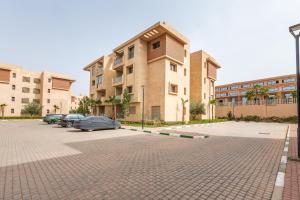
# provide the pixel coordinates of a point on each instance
(259, 102)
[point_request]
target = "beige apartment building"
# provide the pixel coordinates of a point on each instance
(158, 61)
(279, 87)
(75, 101)
(19, 87)
(203, 76)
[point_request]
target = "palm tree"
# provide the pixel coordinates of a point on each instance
(2, 108)
(113, 101)
(93, 103)
(294, 95)
(56, 107)
(212, 102)
(265, 95)
(183, 102)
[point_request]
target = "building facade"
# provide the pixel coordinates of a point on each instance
(156, 63)
(19, 87)
(202, 81)
(75, 101)
(279, 87)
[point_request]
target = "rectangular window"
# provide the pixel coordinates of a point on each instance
(37, 80)
(25, 100)
(130, 52)
(184, 91)
(129, 88)
(48, 100)
(13, 87)
(289, 80)
(132, 110)
(36, 91)
(14, 75)
(173, 88)
(13, 98)
(93, 82)
(49, 80)
(26, 79)
(130, 69)
(173, 67)
(99, 80)
(185, 53)
(48, 90)
(12, 111)
(184, 72)
(25, 90)
(156, 45)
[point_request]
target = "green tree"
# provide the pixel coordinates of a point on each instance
(256, 92)
(83, 106)
(94, 102)
(183, 102)
(212, 102)
(2, 108)
(113, 101)
(125, 102)
(294, 95)
(197, 109)
(32, 108)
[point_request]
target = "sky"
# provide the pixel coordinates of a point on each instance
(249, 38)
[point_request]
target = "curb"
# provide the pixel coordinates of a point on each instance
(168, 134)
(279, 183)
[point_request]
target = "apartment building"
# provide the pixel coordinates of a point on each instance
(202, 81)
(75, 101)
(280, 87)
(19, 87)
(156, 61)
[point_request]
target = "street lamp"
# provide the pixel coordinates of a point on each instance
(295, 31)
(143, 106)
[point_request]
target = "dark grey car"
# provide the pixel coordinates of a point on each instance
(96, 123)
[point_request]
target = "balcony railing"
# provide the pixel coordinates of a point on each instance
(117, 80)
(118, 60)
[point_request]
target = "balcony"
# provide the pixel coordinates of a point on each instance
(100, 86)
(118, 62)
(117, 80)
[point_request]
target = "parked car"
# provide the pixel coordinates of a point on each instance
(68, 120)
(96, 123)
(52, 118)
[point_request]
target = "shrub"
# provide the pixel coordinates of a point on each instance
(230, 115)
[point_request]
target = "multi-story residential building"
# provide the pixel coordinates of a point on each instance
(19, 87)
(202, 81)
(279, 87)
(75, 101)
(156, 60)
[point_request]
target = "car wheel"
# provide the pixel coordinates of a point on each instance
(69, 124)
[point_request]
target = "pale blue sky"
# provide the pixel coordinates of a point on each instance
(249, 38)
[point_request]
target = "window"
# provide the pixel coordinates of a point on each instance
(156, 45)
(48, 111)
(12, 111)
(13, 98)
(173, 88)
(184, 72)
(132, 110)
(14, 75)
(36, 91)
(289, 88)
(48, 90)
(130, 69)
(173, 67)
(26, 79)
(99, 80)
(184, 91)
(129, 88)
(37, 80)
(25, 100)
(36, 101)
(48, 100)
(234, 87)
(25, 90)
(289, 80)
(233, 93)
(185, 53)
(13, 87)
(49, 80)
(130, 52)
(271, 82)
(246, 86)
(93, 82)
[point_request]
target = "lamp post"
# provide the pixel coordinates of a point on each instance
(295, 31)
(143, 106)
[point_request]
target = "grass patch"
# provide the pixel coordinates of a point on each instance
(21, 117)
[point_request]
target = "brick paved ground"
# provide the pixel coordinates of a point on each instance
(147, 167)
(292, 176)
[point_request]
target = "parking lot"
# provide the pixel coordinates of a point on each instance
(39, 161)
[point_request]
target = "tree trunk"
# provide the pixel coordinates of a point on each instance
(183, 114)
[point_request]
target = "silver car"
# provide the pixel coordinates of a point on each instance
(96, 123)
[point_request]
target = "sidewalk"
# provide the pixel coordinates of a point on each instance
(292, 176)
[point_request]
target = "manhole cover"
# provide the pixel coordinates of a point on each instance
(264, 133)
